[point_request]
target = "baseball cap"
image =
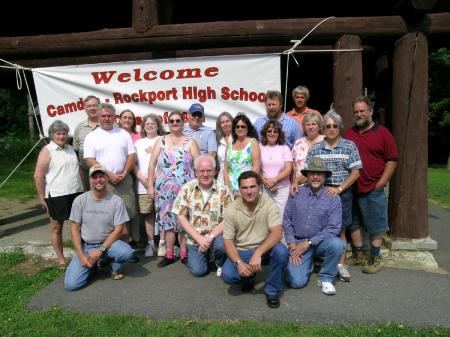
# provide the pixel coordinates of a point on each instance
(196, 107)
(96, 168)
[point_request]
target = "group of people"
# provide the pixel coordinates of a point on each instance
(284, 191)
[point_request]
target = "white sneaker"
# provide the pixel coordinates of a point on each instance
(327, 287)
(162, 249)
(149, 251)
(219, 271)
(343, 273)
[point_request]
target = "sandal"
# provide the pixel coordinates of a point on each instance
(117, 275)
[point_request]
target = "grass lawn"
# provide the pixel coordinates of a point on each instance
(22, 276)
(20, 185)
(439, 186)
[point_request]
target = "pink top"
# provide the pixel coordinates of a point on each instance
(300, 150)
(135, 136)
(272, 161)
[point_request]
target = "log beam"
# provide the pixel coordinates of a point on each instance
(409, 188)
(145, 15)
(214, 35)
(347, 77)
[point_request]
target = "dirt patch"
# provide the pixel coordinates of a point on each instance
(32, 265)
(11, 207)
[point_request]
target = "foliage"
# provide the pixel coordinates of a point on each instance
(18, 287)
(439, 186)
(14, 146)
(13, 111)
(439, 106)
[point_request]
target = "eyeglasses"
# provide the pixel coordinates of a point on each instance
(197, 114)
(205, 171)
(332, 126)
(240, 127)
(174, 121)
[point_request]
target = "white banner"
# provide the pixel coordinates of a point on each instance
(226, 83)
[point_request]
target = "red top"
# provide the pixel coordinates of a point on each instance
(299, 117)
(376, 146)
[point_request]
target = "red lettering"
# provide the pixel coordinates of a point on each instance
(167, 74)
(137, 75)
(188, 73)
(211, 71)
(150, 75)
(104, 76)
(124, 77)
(51, 111)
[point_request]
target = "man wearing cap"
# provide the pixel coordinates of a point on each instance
(312, 222)
(203, 135)
(113, 148)
(97, 220)
(274, 104)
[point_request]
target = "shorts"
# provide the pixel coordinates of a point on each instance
(59, 207)
(371, 212)
(146, 204)
(347, 207)
(126, 191)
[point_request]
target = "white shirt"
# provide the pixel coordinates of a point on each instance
(144, 148)
(109, 147)
(63, 175)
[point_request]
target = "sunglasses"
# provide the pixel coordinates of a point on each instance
(240, 127)
(197, 114)
(174, 121)
(332, 126)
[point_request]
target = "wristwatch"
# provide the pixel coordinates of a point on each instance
(212, 236)
(310, 243)
(236, 263)
(102, 249)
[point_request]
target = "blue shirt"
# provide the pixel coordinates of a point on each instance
(205, 138)
(290, 128)
(339, 160)
(312, 216)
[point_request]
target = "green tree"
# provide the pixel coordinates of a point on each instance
(439, 101)
(13, 112)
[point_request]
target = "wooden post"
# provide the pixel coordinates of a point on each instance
(409, 188)
(347, 79)
(145, 15)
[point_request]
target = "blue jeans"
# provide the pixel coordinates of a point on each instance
(371, 212)
(331, 249)
(77, 275)
(198, 262)
(279, 257)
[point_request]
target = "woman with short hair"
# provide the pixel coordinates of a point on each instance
(58, 181)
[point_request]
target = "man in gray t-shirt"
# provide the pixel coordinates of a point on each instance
(97, 219)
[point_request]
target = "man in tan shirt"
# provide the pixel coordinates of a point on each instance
(252, 232)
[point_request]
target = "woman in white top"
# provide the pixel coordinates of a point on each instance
(151, 131)
(313, 128)
(224, 139)
(58, 181)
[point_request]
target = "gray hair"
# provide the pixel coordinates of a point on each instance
(157, 120)
(88, 98)
(312, 116)
(336, 118)
(57, 126)
(219, 133)
(204, 157)
(106, 106)
(300, 90)
(364, 99)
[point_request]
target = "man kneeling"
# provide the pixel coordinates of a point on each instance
(97, 221)
(312, 221)
(199, 206)
(253, 230)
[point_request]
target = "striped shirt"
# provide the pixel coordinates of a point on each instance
(340, 160)
(290, 128)
(312, 216)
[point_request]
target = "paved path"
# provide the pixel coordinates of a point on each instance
(415, 298)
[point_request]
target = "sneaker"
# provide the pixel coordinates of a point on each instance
(357, 259)
(374, 265)
(162, 249)
(343, 273)
(219, 271)
(165, 262)
(149, 251)
(327, 287)
(248, 286)
(273, 301)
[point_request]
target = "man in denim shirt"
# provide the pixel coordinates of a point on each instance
(312, 222)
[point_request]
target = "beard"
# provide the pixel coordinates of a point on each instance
(363, 123)
(272, 114)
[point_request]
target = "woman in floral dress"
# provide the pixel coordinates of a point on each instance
(173, 156)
